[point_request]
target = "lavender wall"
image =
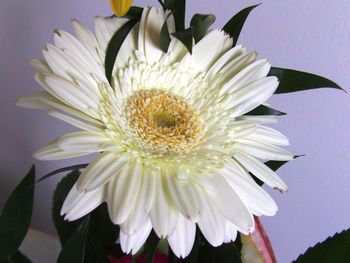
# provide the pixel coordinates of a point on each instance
(311, 35)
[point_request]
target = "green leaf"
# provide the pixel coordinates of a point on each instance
(73, 250)
(63, 227)
(264, 110)
(334, 249)
(227, 253)
(61, 170)
(18, 257)
(114, 46)
(179, 8)
(238, 243)
(293, 81)
(134, 12)
(151, 247)
(16, 216)
(102, 229)
(186, 37)
(200, 24)
(234, 26)
(164, 39)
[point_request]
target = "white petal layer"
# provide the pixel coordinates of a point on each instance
(181, 241)
(133, 243)
(51, 151)
(121, 192)
(78, 204)
(101, 170)
(261, 171)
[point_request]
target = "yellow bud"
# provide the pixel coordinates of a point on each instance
(120, 7)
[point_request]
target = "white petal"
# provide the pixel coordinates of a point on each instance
(254, 196)
(229, 56)
(72, 95)
(261, 171)
(83, 141)
(142, 30)
(105, 27)
(78, 204)
(75, 122)
(164, 219)
(72, 111)
(51, 151)
(133, 243)
(267, 135)
(40, 66)
(121, 192)
(233, 68)
(219, 191)
(255, 71)
(138, 215)
(176, 51)
(101, 170)
(151, 190)
(88, 39)
(262, 150)
(181, 241)
(151, 24)
(36, 101)
(230, 232)
(183, 194)
(66, 41)
(208, 50)
(212, 224)
(252, 95)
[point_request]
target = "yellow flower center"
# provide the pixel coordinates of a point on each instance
(162, 121)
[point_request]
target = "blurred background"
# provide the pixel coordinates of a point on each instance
(308, 35)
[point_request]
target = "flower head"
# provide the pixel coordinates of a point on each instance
(175, 145)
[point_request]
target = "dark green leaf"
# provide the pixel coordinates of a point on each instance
(101, 227)
(238, 243)
(102, 236)
(64, 228)
(275, 165)
(151, 247)
(234, 26)
(178, 7)
(61, 170)
(73, 250)
(264, 110)
(134, 12)
(206, 252)
(334, 249)
(200, 24)
(16, 216)
(186, 37)
(227, 253)
(18, 257)
(114, 46)
(293, 81)
(164, 39)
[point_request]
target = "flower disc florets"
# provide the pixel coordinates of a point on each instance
(162, 122)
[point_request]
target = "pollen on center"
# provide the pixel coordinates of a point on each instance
(163, 122)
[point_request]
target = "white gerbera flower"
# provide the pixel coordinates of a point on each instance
(175, 147)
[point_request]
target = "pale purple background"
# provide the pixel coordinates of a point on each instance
(310, 35)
